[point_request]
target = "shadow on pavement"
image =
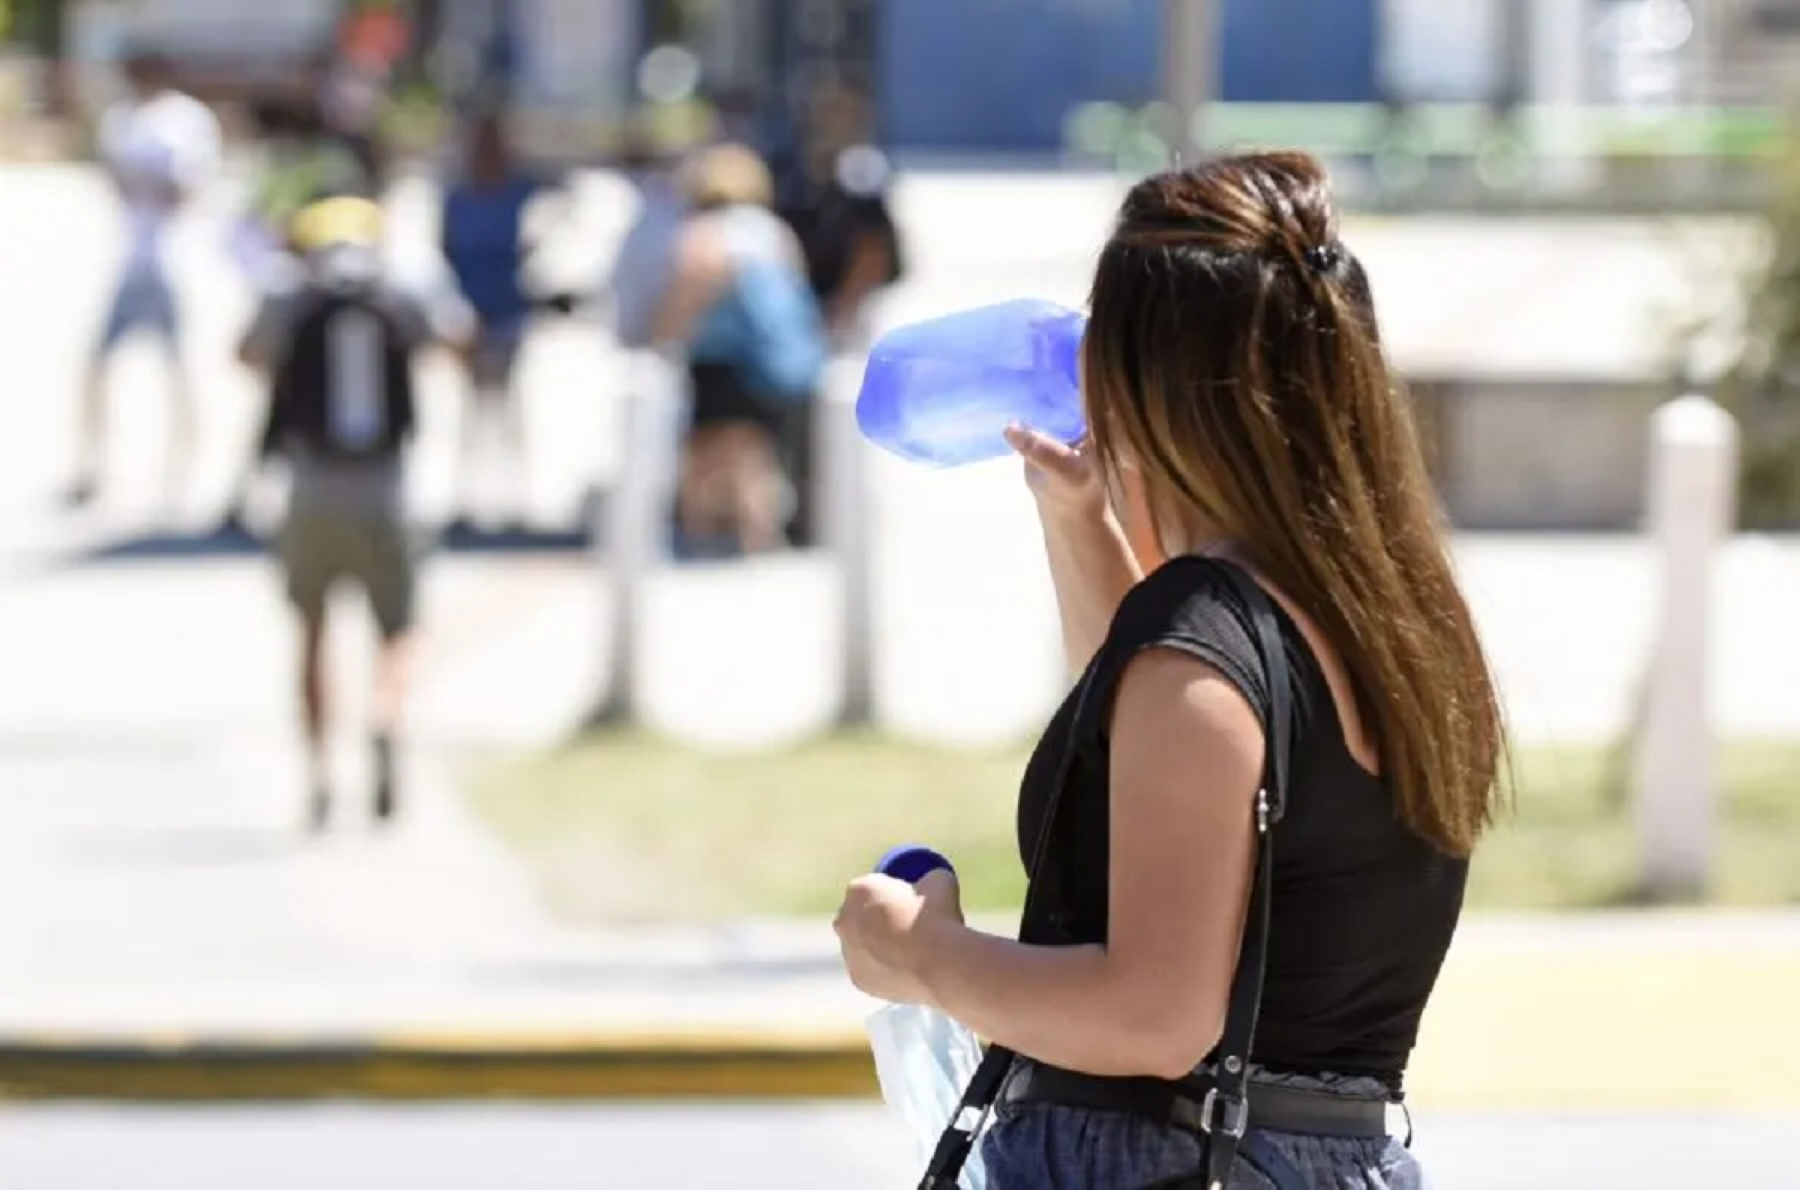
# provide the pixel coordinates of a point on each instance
(464, 539)
(225, 541)
(231, 541)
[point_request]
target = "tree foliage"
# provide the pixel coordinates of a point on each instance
(1762, 387)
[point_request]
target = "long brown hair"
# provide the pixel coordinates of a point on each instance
(1233, 357)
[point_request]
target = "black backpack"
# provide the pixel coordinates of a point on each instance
(344, 388)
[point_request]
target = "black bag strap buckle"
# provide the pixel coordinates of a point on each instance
(1224, 1114)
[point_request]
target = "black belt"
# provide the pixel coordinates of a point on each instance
(1187, 1105)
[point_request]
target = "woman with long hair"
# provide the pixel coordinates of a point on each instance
(1245, 425)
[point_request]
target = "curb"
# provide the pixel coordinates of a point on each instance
(545, 1068)
(1594, 1023)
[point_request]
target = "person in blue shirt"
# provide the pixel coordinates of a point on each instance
(485, 243)
(739, 306)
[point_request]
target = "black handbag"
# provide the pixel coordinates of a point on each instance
(1225, 1110)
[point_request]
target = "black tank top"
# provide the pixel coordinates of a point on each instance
(1363, 909)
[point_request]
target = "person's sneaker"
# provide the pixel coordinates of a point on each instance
(460, 532)
(318, 809)
(81, 492)
(234, 525)
(387, 798)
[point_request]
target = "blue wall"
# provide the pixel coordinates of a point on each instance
(1301, 51)
(1001, 75)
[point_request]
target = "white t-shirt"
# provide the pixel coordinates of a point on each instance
(160, 149)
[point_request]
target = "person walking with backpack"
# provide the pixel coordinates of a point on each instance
(338, 343)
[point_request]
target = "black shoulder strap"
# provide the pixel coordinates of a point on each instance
(1225, 1107)
(1226, 1111)
(978, 1097)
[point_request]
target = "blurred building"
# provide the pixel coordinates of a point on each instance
(977, 76)
(565, 56)
(224, 49)
(1002, 76)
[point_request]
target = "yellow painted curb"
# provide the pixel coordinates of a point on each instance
(471, 1068)
(1527, 1027)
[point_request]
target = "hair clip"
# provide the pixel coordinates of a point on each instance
(1323, 258)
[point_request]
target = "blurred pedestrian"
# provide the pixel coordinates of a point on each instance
(301, 164)
(835, 194)
(739, 306)
(486, 244)
(837, 197)
(339, 345)
(159, 148)
(646, 254)
(350, 93)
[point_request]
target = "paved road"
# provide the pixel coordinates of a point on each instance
(833, 1147)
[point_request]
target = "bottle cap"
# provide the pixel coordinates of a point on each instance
(911, 862)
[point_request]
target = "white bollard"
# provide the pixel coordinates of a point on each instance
(843, 514)
(637, 538)
(1561, 33)
(1692, 501)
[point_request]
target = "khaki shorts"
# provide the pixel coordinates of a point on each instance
(319, 546)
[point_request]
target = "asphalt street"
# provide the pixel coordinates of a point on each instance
(794, 1147)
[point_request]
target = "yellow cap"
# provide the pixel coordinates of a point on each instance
(340, 220)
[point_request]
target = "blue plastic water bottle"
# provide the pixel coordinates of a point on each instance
(923, 1059)
(942, 392)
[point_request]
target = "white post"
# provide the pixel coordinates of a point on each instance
(637, 537)
(1562, 45)
(1692, 502)
(1190, 69)
(841, 510)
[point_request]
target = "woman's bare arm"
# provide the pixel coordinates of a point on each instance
(1091, 568)
(1099, 538)
(1187, 755)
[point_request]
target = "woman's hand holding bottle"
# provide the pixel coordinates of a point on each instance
(1065, 479)
(884, 929)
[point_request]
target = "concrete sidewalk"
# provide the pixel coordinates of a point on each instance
(1574, 1013)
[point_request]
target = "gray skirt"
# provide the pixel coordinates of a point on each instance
(1042, 1146)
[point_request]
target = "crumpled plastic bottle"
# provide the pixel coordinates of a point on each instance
(923, 1059)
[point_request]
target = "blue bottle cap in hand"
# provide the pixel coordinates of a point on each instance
(911, 862)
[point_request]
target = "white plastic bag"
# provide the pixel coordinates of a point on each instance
(924, 1060)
